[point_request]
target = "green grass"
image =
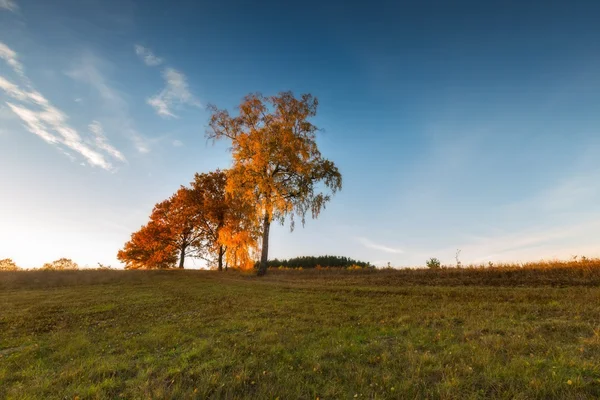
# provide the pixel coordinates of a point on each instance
(300, 334)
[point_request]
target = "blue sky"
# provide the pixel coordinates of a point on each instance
(456, 125)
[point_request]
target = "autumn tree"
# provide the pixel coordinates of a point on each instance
(147, 250)
(62, 264)
(179, 219)
(172, 234)
(241, 232)
(277, 165)
(224, 220)
(8, 264)
(208, 199)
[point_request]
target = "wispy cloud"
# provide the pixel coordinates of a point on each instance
(177, 143)
(87, 70)
(147, 56)
(9, 5)
(556, 240)
(558, 221)
(41, 118)
(11, 58)
(101, 141)
(33, 122)
(380, 247)
(176, 93)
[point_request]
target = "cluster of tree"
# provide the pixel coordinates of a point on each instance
(224, 217)
(202, 220)
(61, 264)
(322, 261)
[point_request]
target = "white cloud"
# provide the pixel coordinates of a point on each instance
(161, 106)
(175, 93)
(41, 118)
(33, 122)
(12, 90)
(9, 5)
(141, 144)
(102, 143)
(23, 95)
(368, 243)
(177, 143)
(147, 56)
(10, 57)
(88, 71)
(51, 119)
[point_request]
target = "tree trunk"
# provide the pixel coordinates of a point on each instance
(182, 256)
(221, 258)
(264, 257)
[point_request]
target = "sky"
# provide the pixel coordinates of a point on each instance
(456, 125)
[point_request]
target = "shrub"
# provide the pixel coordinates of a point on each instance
(433, 263)
(354, 267)
(61, 264)
(8, 265)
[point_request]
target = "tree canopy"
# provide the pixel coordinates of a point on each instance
(277, 165)
(147, 250)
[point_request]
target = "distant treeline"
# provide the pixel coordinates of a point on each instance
(318, 261)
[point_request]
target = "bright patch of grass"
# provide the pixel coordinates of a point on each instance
(299, 334)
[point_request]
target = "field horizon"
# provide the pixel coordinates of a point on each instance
(448, 334)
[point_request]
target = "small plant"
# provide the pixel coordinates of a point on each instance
(433, 263)
(458, 263)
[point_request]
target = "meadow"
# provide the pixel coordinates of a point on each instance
(513, 332)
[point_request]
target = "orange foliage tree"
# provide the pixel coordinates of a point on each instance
(198, 221)
(277, 165)
(222, 219)
(172, 234)
(147, 250)
(240, 233)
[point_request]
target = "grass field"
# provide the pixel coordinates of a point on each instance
(301, 334)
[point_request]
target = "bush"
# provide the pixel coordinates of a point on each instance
(354, 268)
(8, 265)
(61, 264)
(433, 263)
